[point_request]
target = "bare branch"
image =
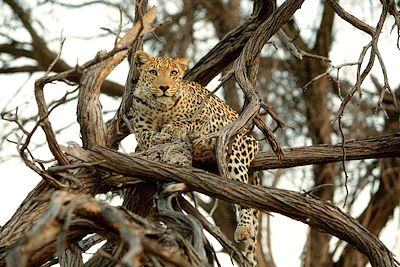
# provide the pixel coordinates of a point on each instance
(318, 214)
(351, 19)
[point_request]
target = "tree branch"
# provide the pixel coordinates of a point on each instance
(314, 212)
(376, 147)
(361, 25)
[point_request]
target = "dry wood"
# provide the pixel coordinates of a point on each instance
(245, 69)
(318, 214)
(351, 19)
(376, 147)
(66, 212)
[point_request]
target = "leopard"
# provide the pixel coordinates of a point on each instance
(164, 104)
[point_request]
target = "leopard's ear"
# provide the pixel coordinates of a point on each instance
(141, 58)
(182, 63)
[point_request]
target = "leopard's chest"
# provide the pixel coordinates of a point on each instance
(145, 111)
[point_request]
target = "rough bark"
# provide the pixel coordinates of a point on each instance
(317, 213)
(376, 147)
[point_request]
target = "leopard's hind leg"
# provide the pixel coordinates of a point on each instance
(244, 150)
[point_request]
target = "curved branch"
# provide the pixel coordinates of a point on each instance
(245, 70)
(361, 25)
(93, 128)
(317, 213)
(92, 216)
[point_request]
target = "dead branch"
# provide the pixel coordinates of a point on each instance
(374, 53)
(351, 19)
(377, 147)
(316, 213)
(120, 126)
(141, 237)
(44, 113)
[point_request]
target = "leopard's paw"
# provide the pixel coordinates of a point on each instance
(244, 232)
(174, 131)
(160, 138)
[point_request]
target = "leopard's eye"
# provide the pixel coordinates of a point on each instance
(174, 72)
(153, 72)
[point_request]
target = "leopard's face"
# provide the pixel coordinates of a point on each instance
(159, 79)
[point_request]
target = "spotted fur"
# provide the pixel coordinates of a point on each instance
(166, 105)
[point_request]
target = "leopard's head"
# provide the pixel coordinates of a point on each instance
(159, 78)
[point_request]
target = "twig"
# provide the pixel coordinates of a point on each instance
(296, 51)
(316, 188)
(57, 58)
(373, 45)
(14, 119)
(214, 207)
(396, 15)
(337, 68)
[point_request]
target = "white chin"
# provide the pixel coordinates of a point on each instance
(164, 100)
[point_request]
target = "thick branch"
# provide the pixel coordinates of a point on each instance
(314, 212)
(65, 216)
(376, 147)
(245, 69)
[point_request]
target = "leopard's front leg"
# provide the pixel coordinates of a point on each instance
(177, 130)
(150, 138)
(147, 139)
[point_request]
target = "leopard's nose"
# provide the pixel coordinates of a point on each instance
(164, 88)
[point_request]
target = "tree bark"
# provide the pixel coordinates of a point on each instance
(314, 212)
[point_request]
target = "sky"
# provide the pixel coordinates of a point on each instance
(72, 24)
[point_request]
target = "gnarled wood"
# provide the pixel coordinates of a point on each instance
(318, 214)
